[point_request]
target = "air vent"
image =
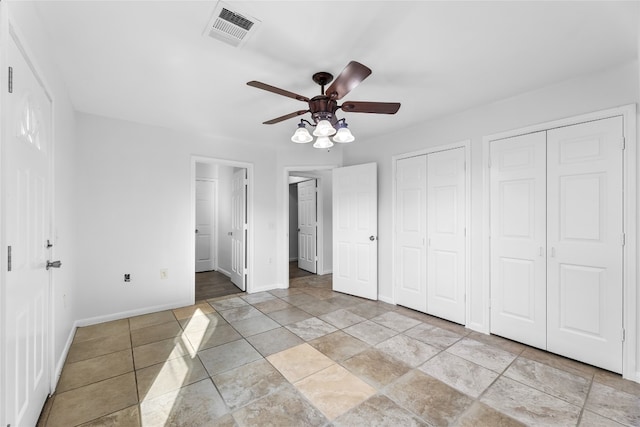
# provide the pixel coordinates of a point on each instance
(230, 25)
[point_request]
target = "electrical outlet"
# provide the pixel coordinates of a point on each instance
(164, 273)
(127, 277)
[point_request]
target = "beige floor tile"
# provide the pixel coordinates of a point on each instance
(228, 303)
(482, 415)
(228, 356)
(213, 336)
(275, 304)
(408, 350)
(289, 316)
(529, 405)
(161, 351)
(205, 321)
(247, 383)
(342, 318)
(155, 333)
(257, 298)
(93, 401)
(370, 332)
(614, 404)
(310, 329)
(274, 341)
(395, 321)
(285, 407)
(299, 362)
(482, 354)
(115, 327)
(379, 411)
(193, 310)
(376, 367)
(589, 419)
(434, 336)
(197, 404)
(96, 369)
(459, 373)
(255, 325)
(559, 362)
(339, 345)
(335, 390)
(127, 417)
(162, 378)
(98, 347)
(151, 319)
(432, 400)
(616, 381)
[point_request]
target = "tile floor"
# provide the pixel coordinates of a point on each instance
(307, 356)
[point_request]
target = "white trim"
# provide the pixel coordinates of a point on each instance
(225, 272)
(214, 213)
(630, 362)
(130, 313)
(4, 40)
(249, 272)
(283, 270)
(386, 299)
(466, 145)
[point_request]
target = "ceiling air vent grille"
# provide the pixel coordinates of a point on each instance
(230, 26)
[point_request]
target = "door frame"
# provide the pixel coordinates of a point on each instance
(8, 31)
(466, 145)
(630, 362)
(249, 283)
(283, 270)
(214, 218)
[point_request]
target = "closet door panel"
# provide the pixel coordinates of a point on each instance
(585, 242)
(411, 233)
(518, 238)
(445, 231)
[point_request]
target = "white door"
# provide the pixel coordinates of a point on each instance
(355, 228)
(307, 225)
(446, 221)
(518, 238)
(238, 228)
(205, 225)
(28, 152)
(411, 233)
(585, 242)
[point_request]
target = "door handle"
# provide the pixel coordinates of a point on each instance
(53, 264)
(372, 238)
(230, 233)
(196, 231)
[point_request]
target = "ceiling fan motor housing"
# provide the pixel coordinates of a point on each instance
(323, 108)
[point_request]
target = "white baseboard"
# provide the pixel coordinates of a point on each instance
(223, 271)
(386, 299)
(130, 313)
(330, 271)
(63, 357)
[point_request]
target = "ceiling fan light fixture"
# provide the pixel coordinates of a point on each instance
(323, 142)
(343, 135)
(301, 135)
(324, 128)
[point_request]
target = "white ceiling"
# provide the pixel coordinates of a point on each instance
(148, 61)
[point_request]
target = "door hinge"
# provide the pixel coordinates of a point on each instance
(10, 79)
(624, 334)
(623, 143)
(623, 239)
(9, 258)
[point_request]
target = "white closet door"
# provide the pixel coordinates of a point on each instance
(307, 225)
(445, 234)
(585, 242)
(238, 228)
(518, 238)
(411, 233)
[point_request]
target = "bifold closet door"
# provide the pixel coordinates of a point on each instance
(584, 282)
(411, 233)
(518, 238)
(446, 234)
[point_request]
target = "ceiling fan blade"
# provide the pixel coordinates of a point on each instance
(277, 90)
(370, 107)
(285, 117)
(348, 79)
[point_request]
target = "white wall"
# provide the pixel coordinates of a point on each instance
(136, 218)
(580, 95)
(65, 285)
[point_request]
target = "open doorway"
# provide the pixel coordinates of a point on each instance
(309, 243)
(221, 206)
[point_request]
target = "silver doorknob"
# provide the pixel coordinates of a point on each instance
(372, 238)
(196, 231)
(53, 264)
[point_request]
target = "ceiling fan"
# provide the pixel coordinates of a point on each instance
(323, 107)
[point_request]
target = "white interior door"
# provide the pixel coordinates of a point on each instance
(585, 242)
(355, 227)
(518, 238)
(307, 225)
(205, 225)
(238, 227)
(411, 233)
(446, 223)
(28, 151)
